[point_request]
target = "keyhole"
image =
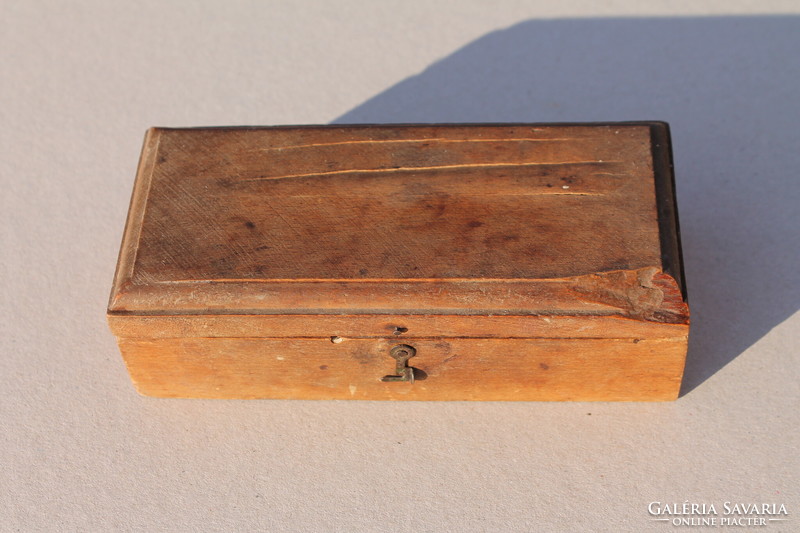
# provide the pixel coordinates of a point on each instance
(401, 355)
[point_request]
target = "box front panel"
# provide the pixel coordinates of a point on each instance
(443, 368)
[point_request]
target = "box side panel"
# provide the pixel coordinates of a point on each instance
(445, 368)
(667, 205)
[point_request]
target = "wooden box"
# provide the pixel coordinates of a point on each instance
(431, 262)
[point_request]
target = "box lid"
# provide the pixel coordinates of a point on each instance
(435, 219)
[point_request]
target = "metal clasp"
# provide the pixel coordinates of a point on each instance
(402, 353)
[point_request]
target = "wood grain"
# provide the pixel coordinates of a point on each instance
(398, 326)
(439, 204)
(453, 369)
(523, 261)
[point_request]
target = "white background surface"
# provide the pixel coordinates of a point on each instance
(81, 451)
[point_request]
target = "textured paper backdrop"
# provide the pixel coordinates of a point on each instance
(81, 451)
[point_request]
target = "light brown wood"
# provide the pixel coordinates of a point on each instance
(452, 368)
(525, 234)
(390, 326)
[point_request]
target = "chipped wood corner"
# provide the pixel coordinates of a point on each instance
(647, 294)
